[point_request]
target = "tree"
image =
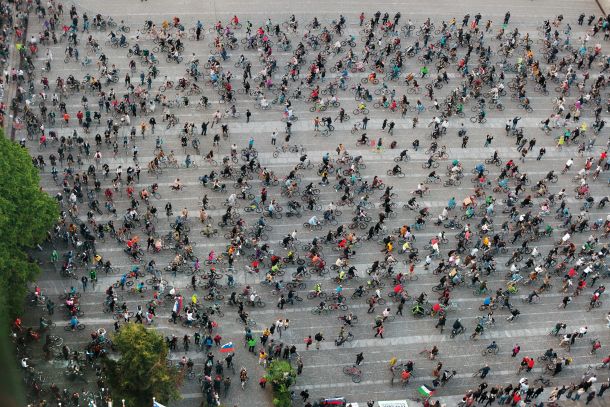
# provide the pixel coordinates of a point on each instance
(26, 214)
(281, 375)
(141, 372)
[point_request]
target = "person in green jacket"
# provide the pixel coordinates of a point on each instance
(251, 344)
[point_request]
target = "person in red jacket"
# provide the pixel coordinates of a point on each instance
(530, 364)
(516, 398)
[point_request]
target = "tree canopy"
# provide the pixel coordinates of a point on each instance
(141, 372)
(26, 214)
(281, 375)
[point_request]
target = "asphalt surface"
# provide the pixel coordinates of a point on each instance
(405, 336)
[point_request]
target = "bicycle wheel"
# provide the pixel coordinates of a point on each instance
(357, 378)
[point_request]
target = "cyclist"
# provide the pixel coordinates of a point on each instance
(458, 327)
(549, 354)
(73, 322)
(313, 221)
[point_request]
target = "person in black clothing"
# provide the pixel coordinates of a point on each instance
(365, 120)
(152, 123)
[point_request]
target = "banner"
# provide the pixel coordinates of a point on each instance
(393, 403)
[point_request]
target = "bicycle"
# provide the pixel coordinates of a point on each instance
(428, 352)
(249, 322)
(405, 158)
(398, 174)
(602, 366)
(596, 304)
(356, 128)
(497, 162)
(320, 311)
(455, 333)
(354, 372)
(55, 341)
(389, 318)
(79, 327)
(490, 351)
(542, 381)
(327, 130)
(339, 341)
(136, 290)
(525, 299)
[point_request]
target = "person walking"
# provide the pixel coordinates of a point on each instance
(319, 338)
(308, 342)
(391, 127)
(279, 325)
(524, 154)
(464, 141)
(602, 389)
(541, 153)
(516, 350)
(441, 322)
(515, 121)
(532, 143)
(251, 344)
(365, 121)
(379, 331)
(484, 371)
(400, 307)
(359, 358)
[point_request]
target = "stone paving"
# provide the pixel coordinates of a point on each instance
(405, 336)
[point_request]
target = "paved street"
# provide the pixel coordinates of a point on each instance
(405, 336)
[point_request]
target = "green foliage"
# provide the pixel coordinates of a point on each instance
(141, 373)
(26, 214)
(281, 375)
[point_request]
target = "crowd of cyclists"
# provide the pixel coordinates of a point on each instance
(509, 240)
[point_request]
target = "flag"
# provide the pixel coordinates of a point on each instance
(425, 392)
(157, 404)
(227, 347)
